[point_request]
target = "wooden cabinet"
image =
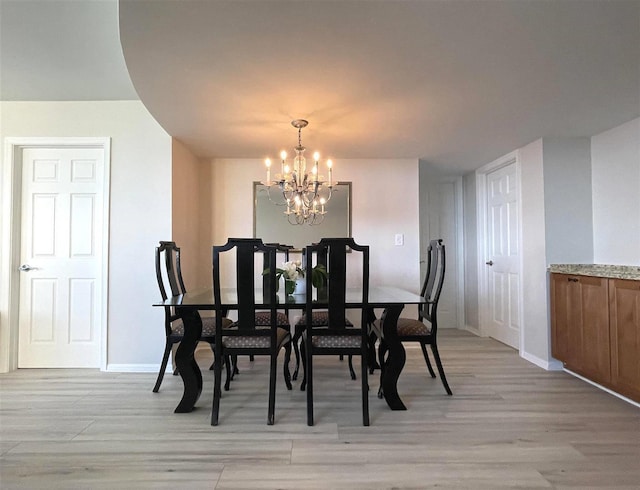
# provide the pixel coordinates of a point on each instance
(580, 325)
(595, 329)
(624, 298)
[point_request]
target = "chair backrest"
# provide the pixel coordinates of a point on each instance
(432, 286)
(245, 250)
(168, 271)
(169, 277)
(333, 253)
(281, 250)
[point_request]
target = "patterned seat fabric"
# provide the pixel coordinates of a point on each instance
(408, 327)
(263, 319)
(318, 319)
(342, 341)
(208, 326)
(254, 341)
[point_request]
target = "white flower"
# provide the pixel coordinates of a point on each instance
(292, 270)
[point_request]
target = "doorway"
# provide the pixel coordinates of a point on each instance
(500, 255)
(55, 236)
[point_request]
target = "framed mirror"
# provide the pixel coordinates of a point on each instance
(271, 224)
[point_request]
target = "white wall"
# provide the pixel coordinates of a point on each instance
(535, 326)
(140, 209)
(384, 203)
(615, 156)
(567, 200)
(470, 234)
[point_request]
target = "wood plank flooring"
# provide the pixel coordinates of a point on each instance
(509, 424)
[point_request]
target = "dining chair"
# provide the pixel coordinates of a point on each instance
(245, 337)
(416, 330)
(169, 277)
(319, 318)
(263, 317)
(338, 336)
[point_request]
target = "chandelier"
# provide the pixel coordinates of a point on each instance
(304, 193)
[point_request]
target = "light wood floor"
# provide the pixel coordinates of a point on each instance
(509, 424)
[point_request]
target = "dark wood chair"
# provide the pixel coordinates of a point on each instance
(169, 276)
(416, 330)
(320, 318)
(245, 337)
(338, 336)
(263, 318)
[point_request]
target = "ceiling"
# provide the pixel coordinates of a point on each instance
(453, 83)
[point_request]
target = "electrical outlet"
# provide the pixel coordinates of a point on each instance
(399, 239)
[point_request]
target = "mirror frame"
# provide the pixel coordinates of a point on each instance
(348, 213)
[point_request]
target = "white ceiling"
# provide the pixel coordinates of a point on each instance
(454, 83)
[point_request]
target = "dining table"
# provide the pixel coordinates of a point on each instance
(391, 300)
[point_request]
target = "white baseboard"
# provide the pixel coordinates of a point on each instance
(552, 365)
(473, 330)
(135, 368)
(603, 388)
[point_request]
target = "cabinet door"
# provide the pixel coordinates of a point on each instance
(625, 337)
(561, 313)
(595, 348)
(580, 324)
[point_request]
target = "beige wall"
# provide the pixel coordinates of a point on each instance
(191, 226)
(384, 203)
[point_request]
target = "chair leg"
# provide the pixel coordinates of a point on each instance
(365, 387)
(217, 392)
(272, 388)
(287, 358)
(351, 371)
(373, 365)
(303, 355)
(295, 341)
(426, 358)
(229, 370)
(308, 376)
(213, 349)
(235, 369)
(436, 356)
(163, 366)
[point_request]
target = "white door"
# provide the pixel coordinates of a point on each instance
(61, 248)
(503, 255)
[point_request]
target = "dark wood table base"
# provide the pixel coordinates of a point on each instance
(186, 362)
(391, 367)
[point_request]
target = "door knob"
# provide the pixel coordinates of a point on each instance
(26, 268)
(489, 263)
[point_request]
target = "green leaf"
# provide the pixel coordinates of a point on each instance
(319, 276)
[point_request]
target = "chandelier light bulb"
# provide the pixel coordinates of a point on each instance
(267, 162)
(316, 156)
(283, 155)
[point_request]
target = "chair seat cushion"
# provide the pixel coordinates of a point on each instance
(208, 326)
(263, 319)
(318, 319)
(336, 341)
(255, 341)
(408, 327)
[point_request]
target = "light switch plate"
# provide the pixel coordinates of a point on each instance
(399, 240)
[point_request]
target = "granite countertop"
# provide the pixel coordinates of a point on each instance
(598, 270)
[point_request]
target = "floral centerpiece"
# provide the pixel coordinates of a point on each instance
(293, 273)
